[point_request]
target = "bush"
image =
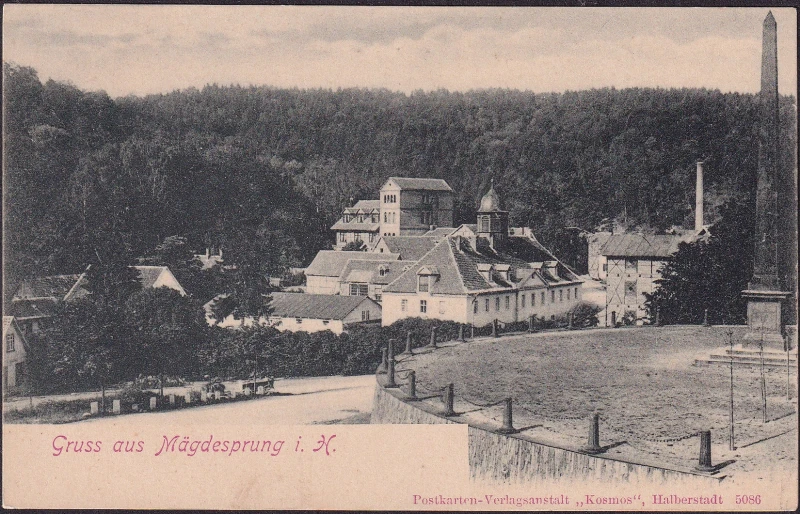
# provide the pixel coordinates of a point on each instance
(585, 315)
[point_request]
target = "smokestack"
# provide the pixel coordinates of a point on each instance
(698, 198)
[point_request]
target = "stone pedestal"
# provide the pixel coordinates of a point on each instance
(764, 318)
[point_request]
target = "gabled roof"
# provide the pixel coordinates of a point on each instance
(420, 184)
(7, 321)
(410, 248)
(315, 306)
(148, 276)
(459, 269)
(641, 245)
(32, 309)
(10, 321)
(439, 232)
(54, 286)
(331, 263)
(369, 271)
(367, 205)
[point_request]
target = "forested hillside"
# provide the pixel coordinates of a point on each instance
(268, 170)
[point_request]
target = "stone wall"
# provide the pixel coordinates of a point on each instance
(519, 459)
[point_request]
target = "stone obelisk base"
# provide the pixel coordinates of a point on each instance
(764, 318)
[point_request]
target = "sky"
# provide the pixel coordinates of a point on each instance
(127, 49)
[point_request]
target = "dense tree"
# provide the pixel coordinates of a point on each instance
(709, 274)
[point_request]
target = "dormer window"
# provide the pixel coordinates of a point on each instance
(426, 277)
(383, 271)
(484, 224)
(424, 283)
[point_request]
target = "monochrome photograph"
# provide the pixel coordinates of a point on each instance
(418, 258)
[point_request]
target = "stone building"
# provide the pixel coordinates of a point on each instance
(359, 223)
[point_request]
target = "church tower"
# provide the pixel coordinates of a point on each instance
(492, 220)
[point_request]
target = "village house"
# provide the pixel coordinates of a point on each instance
(15, 350)
(412, 206)
(36, 299)
(408, 248)
(303, 312)
(359, 223)
(368, 278)
(484, 272)
(324, 274)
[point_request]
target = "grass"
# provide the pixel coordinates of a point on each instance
(642, 382)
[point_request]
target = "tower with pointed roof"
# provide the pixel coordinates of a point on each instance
(492, 219)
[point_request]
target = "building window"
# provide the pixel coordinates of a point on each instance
(383, 270)
(605, 267)
(385, 220)
(630, 291)
(542, 297)
(484, 224)
(552, 297)
(568, 294)
(423, 306)
(533, 299)
(298, 321)
(441, 307)
(631, 264)
(424, 283)
(378, 293)
(508, 301)
(358, 290)
(487, 304)
(497, 303)
(426, 218)
(364, 315)
(475, 307)
(10, 342)
(523, 301)
(371, 237)
(326, 321)
(404, 305)
(342, 237)
(576, 293)
(560, 295)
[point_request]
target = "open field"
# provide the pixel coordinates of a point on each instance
(640, 380)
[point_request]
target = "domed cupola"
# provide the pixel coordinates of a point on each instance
(492, 221)
(490, 201)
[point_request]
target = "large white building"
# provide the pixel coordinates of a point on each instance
(483, 272)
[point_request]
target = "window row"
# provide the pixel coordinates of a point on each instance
(389, 198)
(390, 217)
(506, 302)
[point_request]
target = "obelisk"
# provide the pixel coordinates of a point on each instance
(765, 292)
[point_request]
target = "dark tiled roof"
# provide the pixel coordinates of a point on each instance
(410, 248)
(27, 309)
(421, 184)
(640, 245)
(356, 227)
(367, 205)
(439, 232)
(330, 263)
(314, 306)
(458, 263)
(369, 271)
(56, 286)
(147, 277)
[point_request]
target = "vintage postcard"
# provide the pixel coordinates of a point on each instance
(407, 258)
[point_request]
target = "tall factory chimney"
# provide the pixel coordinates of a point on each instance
(698, 199)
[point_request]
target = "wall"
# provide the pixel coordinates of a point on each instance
(369, 306)
(644, 273)
(11, 359)
(307, 325)
(317, 284)
(456, 308)
(518, 458)
(167, 279)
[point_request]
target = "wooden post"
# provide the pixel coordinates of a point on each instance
(508, 422)
(593, 444)
(569, 320)
(530, 324)
(658, 316)
(731, 443)
(433, 337)
(461, 333)
(390, 354)
(705, 318)
(116, 407)
(172, 400)
(412, 385)
(384, 361)
(94, 408)
(390, 374)
(705, 452)
(448, 401)
(408, 344)
(494, 328)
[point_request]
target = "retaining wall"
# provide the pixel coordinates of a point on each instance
(521, 459)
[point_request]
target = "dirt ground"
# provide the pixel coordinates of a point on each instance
(641, 381)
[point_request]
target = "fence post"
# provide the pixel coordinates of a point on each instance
(116, 407)
(613, 319)
(94, 408)
(530, 324)
(433, 337)
(448, 401)
(188, 397)
(705, 318)
(390, 382)
(593, 445)
(172, 400)
(508, 422)
(569, 320)
(408, 344)
(412, 385)
(384, 361)
(461, 333)
(705, 452)
(494, 328)
(390, 354)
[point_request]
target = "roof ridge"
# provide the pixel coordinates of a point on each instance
(452, 241)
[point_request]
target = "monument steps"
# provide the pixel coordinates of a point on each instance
(750, 357)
